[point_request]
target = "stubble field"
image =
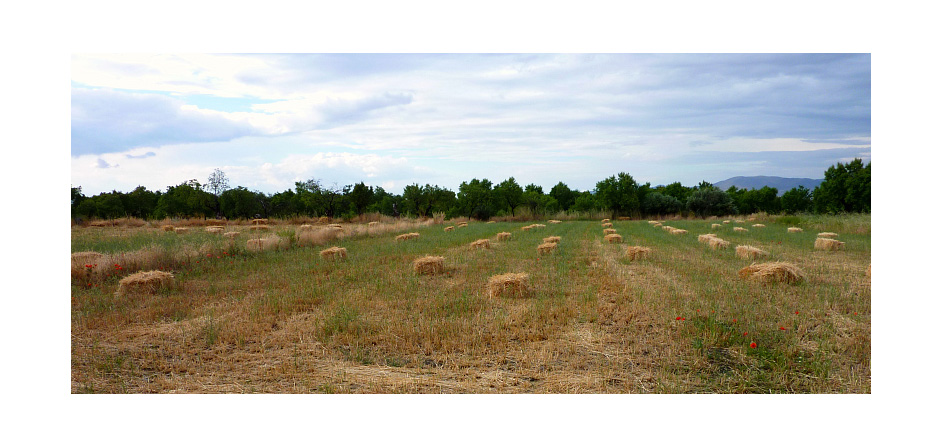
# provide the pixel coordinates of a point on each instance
(280, 318)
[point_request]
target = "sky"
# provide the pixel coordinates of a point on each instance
(269, 120)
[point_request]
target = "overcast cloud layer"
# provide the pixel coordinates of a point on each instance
(391, 119)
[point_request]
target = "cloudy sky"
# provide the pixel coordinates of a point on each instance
(269, 120)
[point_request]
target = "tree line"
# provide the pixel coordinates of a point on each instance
(846, 188)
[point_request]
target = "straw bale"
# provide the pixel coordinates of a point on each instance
(678, 231)
(716, 226)
(509, 284)
(231, 234)
(609, 231)
(758, 226)
(637, 252)
(429, 265)
(546, 247)
(607, 225)
(750, 252)
(372, 224)
(652, 222)
(181, 230)
(259, 228)
(740, 229)
(503, 236)
(554, 239)
(718, 244)
(215, 229)
(259, 221)
(828, 235)
(606, 220)
(144, 282)
(265, 243)
(407, 236)
(667, 228)
(725, 221)
(334, 253)
(773, 272)
(823, 243)
(481, 243)
(658, 224)
(449, 228)
(613, 238)
(323, 219)
(705, 237)
(305, 227)
(554, 221)
(794, 230)
(167, 227)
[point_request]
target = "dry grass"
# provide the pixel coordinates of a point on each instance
(794, 230)
(758, 226)
(607, 225)
(705, 238)
(613, 238)
(215, 230)
(750, 252)
(546, 247)
(740, 229)
(481, 243)
(553, 239)
(653, 222)
(265, 243)
(462, 224)
(334, 253)
(144, 282)
(726, 221)
(822, 243)
(449, 228)
(181, 230)
(429, 265)
(718, 244)
(606, 220)
(609, 231)
(407, 236)
(828, 235)
(167, 227)
(503, 236)
(511, 285)
(658, 224)
(373, 224)
(773, 272)
(259, 221)
(716, 226)
(678, 231)
(259, 228)
(310, 236)
(554, 221)
(637, 252)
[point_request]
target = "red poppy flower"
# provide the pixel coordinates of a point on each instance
(89, 284)
(796, 312)
(209, 255)
(698, 310)
(753, 345)
(683, 319)
(745, 334)
(88, 266)
(781, 328)
(734, 320)
(678, 318)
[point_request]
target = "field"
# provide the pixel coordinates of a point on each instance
(281, 318)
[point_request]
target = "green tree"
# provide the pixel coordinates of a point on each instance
(186, 200)
(586, 202)
(474, 199)
(711, 202)
(656, 203)
(239, 202)
(619, 194)
(217, 183)
(846, 188)
(676, 190)
(141, 202)
(360, 197)
(796, 200)
(510, 194)
(564, 196)
(77, 198)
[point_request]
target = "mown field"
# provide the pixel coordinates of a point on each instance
(285, 320)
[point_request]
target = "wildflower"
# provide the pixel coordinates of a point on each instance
(796, 312)
(745, 334)
(678, 318)
(753, 345)
(88, 266)
(781, 328)
(209, 255)
(734, 320)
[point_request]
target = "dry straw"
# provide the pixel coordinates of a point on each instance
(718, 244)
(740, 229)
(305, 227)
(481, 243)
(823, 243)
(794, 230)
(334, 253)
(716, 226)
(372, 224)
(259, 228)
(606, 220)
(828, 235)
(750, 252)
(231, 234)
(509, 285)
(215, 230)
(462, 224)
(667, 228)
(503, 236)
(144, 282)
(607, 225)
(758, 226)
(167, 227)
(262, 244)
(725, 221)
(637, 252)
(181, 230)
(407, 236)
(678, 231)
(773, 272)
(323, 219)
(554, 221)
(527, 228)
(259, 221)
(449, 228)
(609, 231)
(613, 238)
(653, 222)
(704, 238)
(429, 265)
(553, 239)
(546, 247)
(658, 224)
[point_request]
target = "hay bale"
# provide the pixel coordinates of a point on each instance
(553, 239)
(262, 244)
(334, 253)
(609, 231)
(794, 230)
(215, 229)
(144, 282)
(451, 228)
(678, 231)
(750, 252)
(372, 224)
(828, 235)
(259, 228)
(305, 227)
(637, 252)
(429, 265)
(231, 234)
(503, 236)
(407, 236)
(259, 221)
(705, 238)
(653, 222)
(509, 285)
(606, 220)
(758, 226)
(481, 243)
(613, 238)
(607, 225)
(718, 244)
(740, 229)
(167, 227)
(546, 247)
(667, 228)
(527, 228)
(181, 230)
(716, 226)
(725, 221)
(554, 221)
(823, 243)
(773, 272)
(658, 224)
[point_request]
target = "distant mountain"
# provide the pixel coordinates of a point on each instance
(756, 182)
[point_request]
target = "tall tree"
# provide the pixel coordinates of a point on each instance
(846, 188)
(564, 196)
(619, 194)
(796, 200)
(217, 183)
(474, 199)
(360, 197)
(510, 194)
(710, 201)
